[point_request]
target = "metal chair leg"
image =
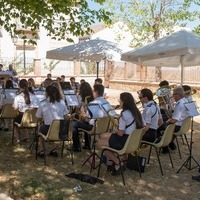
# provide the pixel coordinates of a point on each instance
(13, 134)
(179, 152)
(138, 163)
(100, 162)
(170, 157)
(63, 144)
(159, 160)
(149, 154)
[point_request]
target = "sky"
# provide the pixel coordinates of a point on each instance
(96, 6)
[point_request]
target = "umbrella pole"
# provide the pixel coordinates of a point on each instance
(181, 60)
(97, 69)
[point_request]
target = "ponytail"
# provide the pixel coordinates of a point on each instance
(23, 84)
(27, 97)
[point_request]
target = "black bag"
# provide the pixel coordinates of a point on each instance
(64, 128)
(133, 165)
(85, 178)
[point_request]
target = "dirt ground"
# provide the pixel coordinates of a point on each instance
(24, 178)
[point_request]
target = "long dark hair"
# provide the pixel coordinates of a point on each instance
(85, 90)
(53, 94)
(9, 84)
(129, 104)
(23, 84)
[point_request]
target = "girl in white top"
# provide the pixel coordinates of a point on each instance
(129, 120)
(53, 107)
(23, 101)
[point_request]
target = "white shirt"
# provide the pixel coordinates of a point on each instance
(19, 102)
(151, 114)
(125, 120)
(50, 111)
(9, 72)
(180, 112)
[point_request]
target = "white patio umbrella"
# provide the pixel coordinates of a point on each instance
(180, 48)
(88, 51)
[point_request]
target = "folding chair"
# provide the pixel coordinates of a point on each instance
(29, 121)
(7, 112)
(182, 132)
(101, 126)
(53, 135)
(166, 139)
(132, 144)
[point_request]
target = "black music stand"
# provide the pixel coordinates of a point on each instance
(192, 109)
(95, 113)
(72, 100)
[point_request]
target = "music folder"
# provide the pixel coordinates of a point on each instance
(40, 94)
(9, 93)
(109, 109)
(95, 111)
(71, 100)
(192, 108)
(68, 92)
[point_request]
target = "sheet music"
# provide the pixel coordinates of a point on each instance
(109, 109)
(72, 100)
(10, 93)
(95, 111)
(68, 92)
(40, 94)
(192, 109)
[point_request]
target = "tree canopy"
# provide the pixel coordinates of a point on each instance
(61, 18)
(149, 19)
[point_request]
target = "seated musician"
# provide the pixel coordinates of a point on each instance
(164, 84)
(99, 81)
(53, 107)
(151, 115)
(129, 120)
(188, 92)
(6, 99)
(3, 76)
(85, 93)
(31, 85)
(87, 122)
(180, 113)
(64, 84)
(11, 72)
(23, 101)
(57, 85)
(85, 96)
(165, 104)
(74, 84)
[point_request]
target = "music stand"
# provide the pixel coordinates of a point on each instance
(192, 109)
(71, 100)
(95, 112)
(109, 110)
(40, 94)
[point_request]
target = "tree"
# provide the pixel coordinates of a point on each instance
(52, 64)
(61, 18)
(147, 20)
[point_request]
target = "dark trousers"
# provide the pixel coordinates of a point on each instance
(75, 136)
(150, 135)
